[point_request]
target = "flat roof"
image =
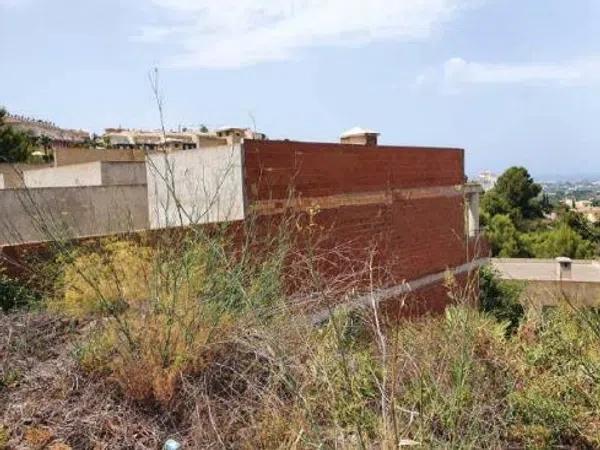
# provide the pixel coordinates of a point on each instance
(358, 131)
(526, 269)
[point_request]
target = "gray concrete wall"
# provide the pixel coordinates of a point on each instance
(89, 174)
(195, 186)
(13, 173)
(38, 215)
(123, 172)
(67, 156)
(552, 293)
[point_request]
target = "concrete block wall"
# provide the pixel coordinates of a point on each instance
(43, 214)
(123, 172)
(68, 156)
(195, 187)
(13, 173)
(89, 174)
(98, 173)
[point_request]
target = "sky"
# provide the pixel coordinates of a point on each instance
(513, 82)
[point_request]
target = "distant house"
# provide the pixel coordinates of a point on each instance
(186, 139)
(548, 281)
(236, 134)
(57, 137)
(487, 180)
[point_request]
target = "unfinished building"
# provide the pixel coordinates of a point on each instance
(406, 209)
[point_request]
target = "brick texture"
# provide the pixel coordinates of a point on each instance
(407, 238)
(316, 169)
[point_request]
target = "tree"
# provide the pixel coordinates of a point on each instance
(562, 241)
(578, 222)
(504, 237)
(15, 145)
(516, 195)
(493, 203)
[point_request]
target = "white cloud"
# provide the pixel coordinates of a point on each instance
(457, 73)
(235, 33)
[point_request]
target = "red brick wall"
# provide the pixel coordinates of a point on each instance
(412, 237)
(431, 299)
(318, 169)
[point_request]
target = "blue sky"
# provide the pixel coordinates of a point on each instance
(511, 81)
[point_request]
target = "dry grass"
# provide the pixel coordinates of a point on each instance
(195, 342)
(447, 382)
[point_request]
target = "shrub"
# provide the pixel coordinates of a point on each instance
(559, 395)
(103, 281)
(165, 309)
(14, 294)
(561, 241)
(453, 374)
(500, 298)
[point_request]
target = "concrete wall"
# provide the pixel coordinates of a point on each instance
(37, 215)
(195, 187)
(67, 156)
(87, 174)
(13, 173)
(1, 181)
(552, 293)
(123, 172)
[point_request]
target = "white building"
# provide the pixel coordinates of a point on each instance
(487, 180)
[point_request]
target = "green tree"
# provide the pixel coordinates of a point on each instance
(504, 237)
(15, 145)
(578, 222)
(519, 189)
(516, 195)
(493, 203)
(562, 241)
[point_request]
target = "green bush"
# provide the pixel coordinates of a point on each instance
(14, 294)
(500, 298)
